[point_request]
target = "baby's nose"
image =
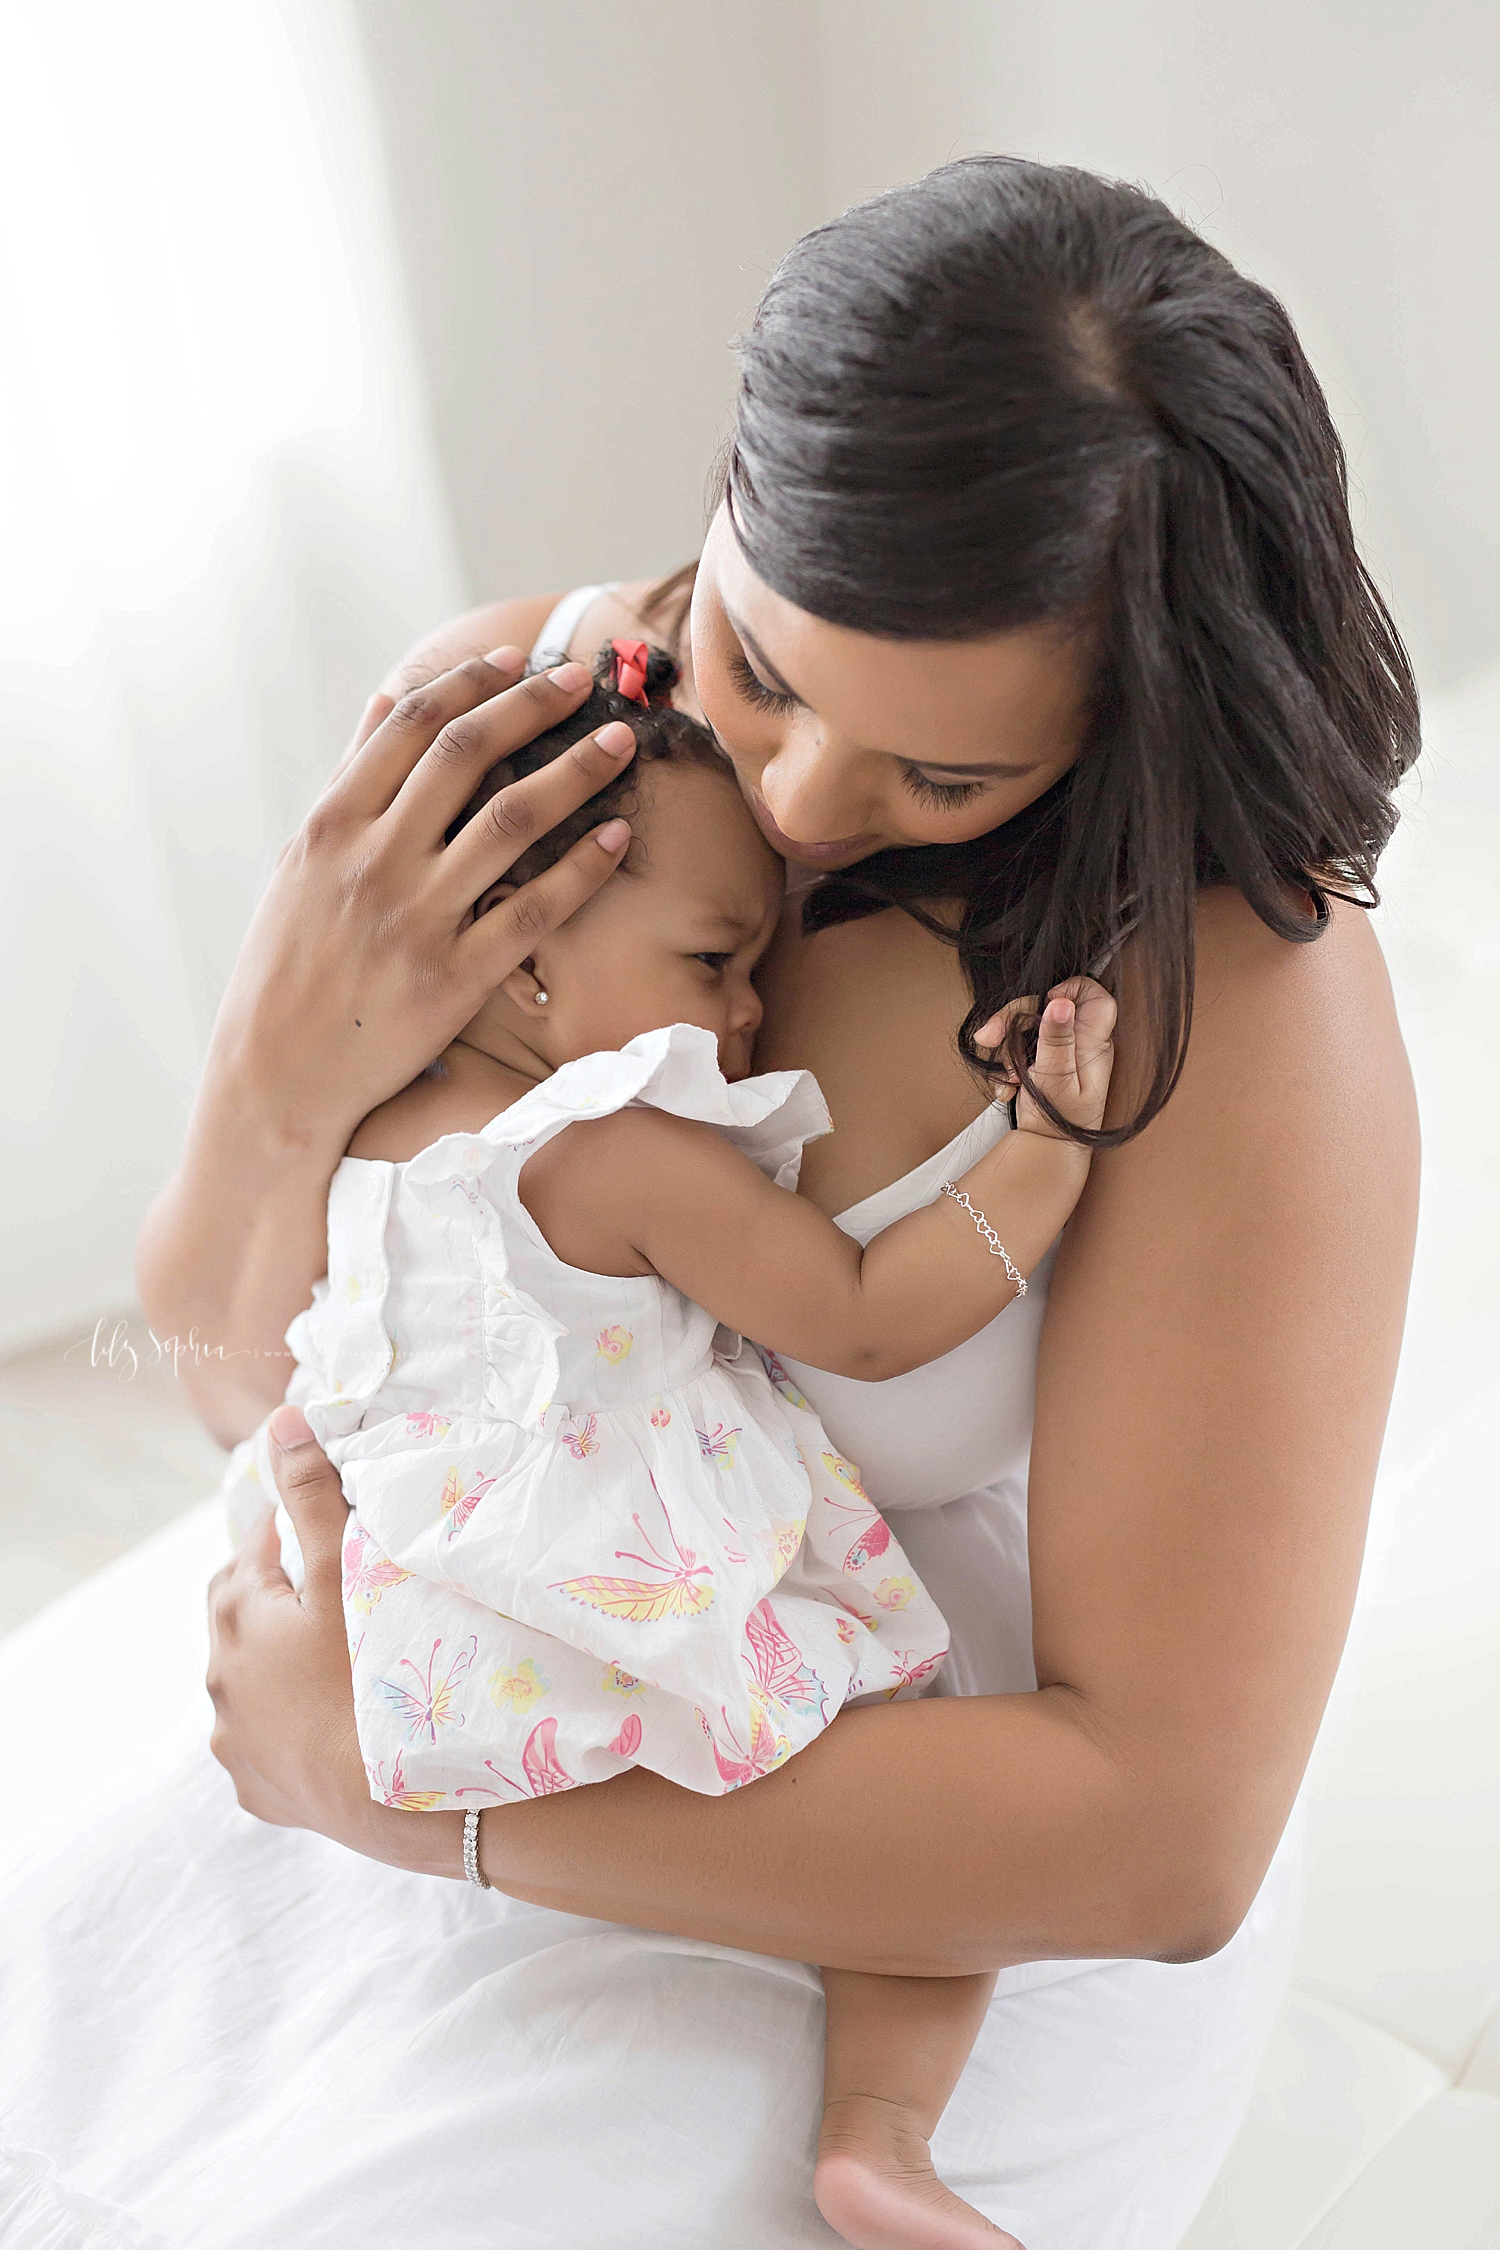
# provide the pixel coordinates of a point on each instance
(747, 1011)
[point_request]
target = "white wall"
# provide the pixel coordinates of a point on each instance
(590, 198)
(1345, 151)
(220, 515)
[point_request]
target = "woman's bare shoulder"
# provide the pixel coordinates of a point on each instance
(518, 621)
(513, 623)
(1297, 1029)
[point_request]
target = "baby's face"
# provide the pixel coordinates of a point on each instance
(671, 939)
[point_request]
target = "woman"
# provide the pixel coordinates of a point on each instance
(1031, 606)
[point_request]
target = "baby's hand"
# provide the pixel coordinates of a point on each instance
(1074, 1054)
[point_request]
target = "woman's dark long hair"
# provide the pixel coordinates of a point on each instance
(1013, 392)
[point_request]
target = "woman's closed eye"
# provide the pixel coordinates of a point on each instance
(946, 796)
(753, 688)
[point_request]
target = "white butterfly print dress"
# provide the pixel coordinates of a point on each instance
(589, 1529)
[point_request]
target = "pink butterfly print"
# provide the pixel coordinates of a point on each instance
(766, 1752)
(733, 1554)
(544, 1772)
(718, 1444)
(911, 1671)
(645, 1601)
(367, 1572)
(459, 1505)
(628, 1740)
(395, 1792)
(427, 1425)
(873, 1535)
(776, 1662)
(431, 1701)
(577, 1434)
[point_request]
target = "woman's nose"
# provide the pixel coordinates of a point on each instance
(813, 794)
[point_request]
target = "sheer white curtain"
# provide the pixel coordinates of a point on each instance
(219, 518)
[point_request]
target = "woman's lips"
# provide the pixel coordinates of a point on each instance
(811, 855)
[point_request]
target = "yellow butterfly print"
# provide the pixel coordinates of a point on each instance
(718, 1444)
(895, 1593)
(395, 1792)
(846, 1473)
(787, 1539)
(458, 1505)
(577, 1434)
(519, 1689)
(367, 1572)
(617, 1681)
(614, 1344)
(684, 1590)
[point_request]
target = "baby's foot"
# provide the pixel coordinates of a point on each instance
(875, 2184)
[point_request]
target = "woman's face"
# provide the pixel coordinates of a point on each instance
(846, 744)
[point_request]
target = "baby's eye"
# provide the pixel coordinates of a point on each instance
(718, 962)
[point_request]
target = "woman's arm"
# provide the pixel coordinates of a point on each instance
(1219, 1349)
(360, 964)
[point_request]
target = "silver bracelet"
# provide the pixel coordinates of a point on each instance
(996, 1246)
(472, 1868)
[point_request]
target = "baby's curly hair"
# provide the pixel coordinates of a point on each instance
(660, 731)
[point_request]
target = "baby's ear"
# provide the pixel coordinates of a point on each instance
(492, 897)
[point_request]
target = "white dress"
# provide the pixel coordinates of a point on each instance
(220, 2036)
(591, 1529)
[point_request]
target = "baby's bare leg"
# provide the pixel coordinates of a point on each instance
(895, 2048)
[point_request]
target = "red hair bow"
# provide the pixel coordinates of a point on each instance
(630, 670)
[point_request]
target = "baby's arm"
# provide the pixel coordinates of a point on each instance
(693, 1209)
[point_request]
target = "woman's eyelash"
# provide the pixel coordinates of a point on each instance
(943, 796)
(755, 690)
(946, 796)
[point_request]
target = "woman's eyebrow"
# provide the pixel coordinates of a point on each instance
(993, 770)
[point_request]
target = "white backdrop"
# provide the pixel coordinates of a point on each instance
(220, 517)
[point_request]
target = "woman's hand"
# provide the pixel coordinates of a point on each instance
(362, 961)
(278, 1673)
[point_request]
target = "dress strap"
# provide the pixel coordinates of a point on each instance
(554, 638)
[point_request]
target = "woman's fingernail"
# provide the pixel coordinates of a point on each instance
(569, 676)
(613, 836)
(290, 1429)
(615, 739)
(505, 659)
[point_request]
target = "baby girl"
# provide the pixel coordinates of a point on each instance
(591, 1527)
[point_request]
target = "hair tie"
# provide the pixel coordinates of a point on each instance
(630, 671)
